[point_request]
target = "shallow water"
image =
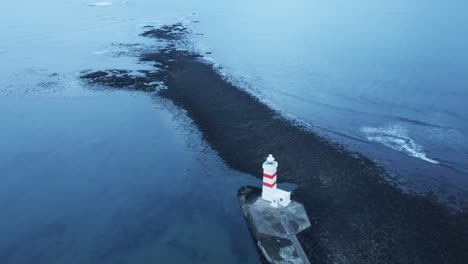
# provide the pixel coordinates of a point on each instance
(110, 178)
(89, 176)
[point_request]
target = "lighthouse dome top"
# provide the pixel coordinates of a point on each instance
(270, 164)
(270, 158)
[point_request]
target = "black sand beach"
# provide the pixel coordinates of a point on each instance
(357, 217)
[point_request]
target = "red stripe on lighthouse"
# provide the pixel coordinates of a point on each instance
(269, 185)
(269, 176)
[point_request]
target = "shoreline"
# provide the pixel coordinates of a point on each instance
(357, 216)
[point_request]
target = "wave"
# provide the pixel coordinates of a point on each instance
(396, 137)
(421, 123)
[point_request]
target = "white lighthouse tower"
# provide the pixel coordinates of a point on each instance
(270, 193)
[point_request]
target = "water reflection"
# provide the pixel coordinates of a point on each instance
(110, 178)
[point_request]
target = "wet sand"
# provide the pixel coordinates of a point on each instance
(357, 217)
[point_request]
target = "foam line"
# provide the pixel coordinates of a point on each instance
(396, 137)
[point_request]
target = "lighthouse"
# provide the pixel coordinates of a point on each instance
(270, 192)
(273, 216)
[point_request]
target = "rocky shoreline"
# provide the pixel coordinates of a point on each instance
(357, 216)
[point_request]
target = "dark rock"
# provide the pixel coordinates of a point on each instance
(167, 32)
(94, 75)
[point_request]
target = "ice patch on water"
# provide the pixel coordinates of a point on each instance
(158, 86)
(100, 4)
(101, 52)
(396, 137)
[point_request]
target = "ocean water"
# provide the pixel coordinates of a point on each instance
(89, 176)
(114, 178)
(92, 176)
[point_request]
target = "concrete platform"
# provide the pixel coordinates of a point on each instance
(275, 229)
(269, 221)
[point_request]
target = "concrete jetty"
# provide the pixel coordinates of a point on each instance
(275, 221)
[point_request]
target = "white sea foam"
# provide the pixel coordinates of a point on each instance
(100, 4)
(396, 137)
